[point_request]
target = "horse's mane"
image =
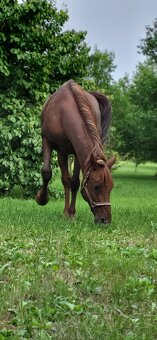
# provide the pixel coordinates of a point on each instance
(85, 111)
(105, 110)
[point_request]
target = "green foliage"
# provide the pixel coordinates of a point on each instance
(29, 42)
(134, 115)
(143, 95)
(36, 57)
(134, 105)
(122, 136)
(148, 45)
(143, 89)
(101, 66)
(20, 154)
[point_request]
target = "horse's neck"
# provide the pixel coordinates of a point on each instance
(78, 135)
(84, 146)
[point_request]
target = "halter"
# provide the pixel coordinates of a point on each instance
(92, 203)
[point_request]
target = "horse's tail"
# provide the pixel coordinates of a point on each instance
(85, 110)
(105, 110)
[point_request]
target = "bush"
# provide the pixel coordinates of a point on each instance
(36, 57)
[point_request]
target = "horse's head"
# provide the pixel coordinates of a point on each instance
(96, 187)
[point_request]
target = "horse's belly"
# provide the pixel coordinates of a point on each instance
(63, 146)
(52, 128)
(57, 137)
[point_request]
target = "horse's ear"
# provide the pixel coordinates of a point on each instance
(97, 162)
(100, 162)
(110, 162)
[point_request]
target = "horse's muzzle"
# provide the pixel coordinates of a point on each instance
(102, 221)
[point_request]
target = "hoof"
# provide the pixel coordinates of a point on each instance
(72, 216)
(41, 199)
(69, 213)
(69, 216)
(66, 214)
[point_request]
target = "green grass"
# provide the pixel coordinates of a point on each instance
(62, 279)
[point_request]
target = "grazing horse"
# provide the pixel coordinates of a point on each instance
(74, 121)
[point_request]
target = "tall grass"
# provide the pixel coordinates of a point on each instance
(75, 280)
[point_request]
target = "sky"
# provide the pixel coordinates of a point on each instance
(115, 25)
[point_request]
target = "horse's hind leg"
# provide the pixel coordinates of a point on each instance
(63, 163)
(42, 194)
(74, 184)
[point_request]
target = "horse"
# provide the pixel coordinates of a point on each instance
(74, 121)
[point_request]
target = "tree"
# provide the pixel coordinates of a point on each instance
(134, 115)
(36, 57)
(143, 94)
(135, 106)
(148, 45)
(122, 118)
(101, 66)
(143, 90)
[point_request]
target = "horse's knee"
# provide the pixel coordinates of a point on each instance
(46, 174)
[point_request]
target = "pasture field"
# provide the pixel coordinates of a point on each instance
(62, 279)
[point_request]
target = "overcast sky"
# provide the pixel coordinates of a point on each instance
(115, 25)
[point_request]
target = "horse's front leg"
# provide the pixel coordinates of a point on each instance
(42, 194)
(63, 163)
(74, 184)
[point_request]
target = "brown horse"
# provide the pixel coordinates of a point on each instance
(75, 122)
